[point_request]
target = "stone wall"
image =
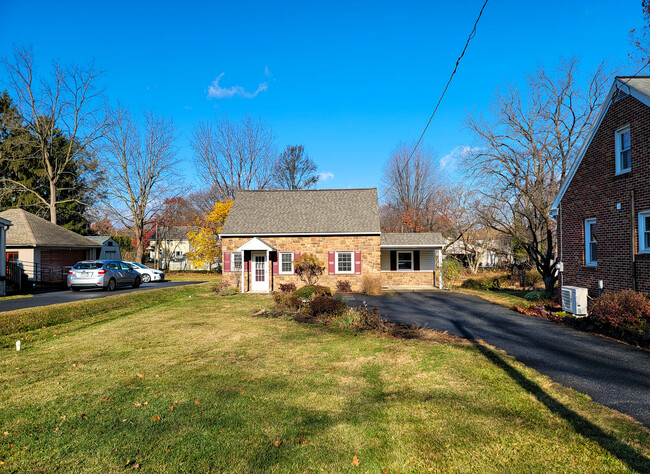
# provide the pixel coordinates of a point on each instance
(320, 246)
(419, 278)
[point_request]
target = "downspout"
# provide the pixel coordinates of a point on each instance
(559, 210)
(440, 268)
(632, 218)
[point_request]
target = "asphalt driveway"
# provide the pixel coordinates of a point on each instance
(613, 374)
(44, 298)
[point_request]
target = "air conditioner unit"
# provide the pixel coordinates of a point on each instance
(574, 300)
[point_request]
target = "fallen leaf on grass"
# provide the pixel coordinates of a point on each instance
(122, 372)
(155, 418)
(124, 420)
(278, 442)
(302, 440)
(355, 461)
(137, 404)
(6, 433)
(106, 399)
(83, 416)
(196, 402)
(146, 403)
(157, 376)
(171, 408)
(140, 375)
(25, 448)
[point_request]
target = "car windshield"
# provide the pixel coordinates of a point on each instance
(139, 265)
(88, 265)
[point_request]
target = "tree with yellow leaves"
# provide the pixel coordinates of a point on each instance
(204, 240)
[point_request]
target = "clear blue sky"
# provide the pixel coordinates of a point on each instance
(348, 80)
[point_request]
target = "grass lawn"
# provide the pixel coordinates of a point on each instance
(193, 383)
(504, 297)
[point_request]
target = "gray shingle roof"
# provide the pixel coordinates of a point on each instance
(99, 239)
(323, 211)
(640, 83)
(29, 230)
(431, 239)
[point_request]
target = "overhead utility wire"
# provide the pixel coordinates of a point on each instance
(469, 38)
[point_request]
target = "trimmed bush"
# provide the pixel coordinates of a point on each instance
(622, 310)
(284, 301)
(343, 286)
(451, 269)
(475, 284)
(308, 291)
(536, 295)
(323, 304)
(371, 285)
(287, 287)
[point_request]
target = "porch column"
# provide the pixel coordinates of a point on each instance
(440, 268)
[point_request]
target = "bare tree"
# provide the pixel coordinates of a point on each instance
(295, 170)
(414, 192)
(641, 41)
(525, 151)
(140, 168)
(67, 104)
(233, 156)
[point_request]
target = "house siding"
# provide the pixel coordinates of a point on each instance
(595, 191)
(320, 246)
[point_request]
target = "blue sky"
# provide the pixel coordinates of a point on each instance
(348, 80)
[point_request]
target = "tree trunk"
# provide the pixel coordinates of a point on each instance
(52, 205)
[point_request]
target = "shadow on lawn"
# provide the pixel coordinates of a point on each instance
(582, 426)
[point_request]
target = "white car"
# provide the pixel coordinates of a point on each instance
(148, 274)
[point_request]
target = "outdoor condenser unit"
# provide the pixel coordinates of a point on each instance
(574, 300)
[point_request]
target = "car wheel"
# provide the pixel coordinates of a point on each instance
(146, 278)
(111, 285)
(74, 288)
(137, 282)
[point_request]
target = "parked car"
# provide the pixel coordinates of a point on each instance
(148, 274)
(107, 274)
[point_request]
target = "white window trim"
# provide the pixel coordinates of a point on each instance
(642, 230)
(336, 263)
(617, 136)
(412, 269)
(280, 263)
(588, 261)
(233, 267)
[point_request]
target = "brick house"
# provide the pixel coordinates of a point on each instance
(266, 231)
(603, 207)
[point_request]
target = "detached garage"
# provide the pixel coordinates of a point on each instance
(44, 250)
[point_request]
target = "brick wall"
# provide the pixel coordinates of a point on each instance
(419, 278)
(595, 192)
(320, 246)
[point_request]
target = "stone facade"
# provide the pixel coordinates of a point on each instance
(417, 278)
(614, 201)
(320, 246)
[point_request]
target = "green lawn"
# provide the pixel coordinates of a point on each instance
(193, 383)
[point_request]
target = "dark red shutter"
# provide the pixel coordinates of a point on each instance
(393, 261)
(416, 260)
(226, 262)
(357, 262)
(331, 262)
(275, 257)
(246, 258)
(296, 256)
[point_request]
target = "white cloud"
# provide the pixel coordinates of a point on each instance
(267, 72)
(217, 92)
(451, 160)
(325, 176)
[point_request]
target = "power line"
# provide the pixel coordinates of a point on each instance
(469, 38)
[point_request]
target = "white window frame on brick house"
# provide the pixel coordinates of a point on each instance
(402, 252)
(589, 261)
(280, 263)
(644, 231)
(336, 262)
(619, 136)
(236, 264)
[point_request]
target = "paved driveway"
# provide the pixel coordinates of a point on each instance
(44, 298)
(611, 373)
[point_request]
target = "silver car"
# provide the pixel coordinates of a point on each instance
(107, 274)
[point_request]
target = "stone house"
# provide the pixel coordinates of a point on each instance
(266, 231)
(603, 207)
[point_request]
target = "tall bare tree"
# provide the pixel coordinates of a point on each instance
(414, 192)
(231, 156)
(294, 169)
(67, 104)
(526, 149)
(139, 163)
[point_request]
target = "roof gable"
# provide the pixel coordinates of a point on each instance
(28, 230)
(303, 212)
(637, 87)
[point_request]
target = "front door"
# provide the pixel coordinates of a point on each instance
(260, 273)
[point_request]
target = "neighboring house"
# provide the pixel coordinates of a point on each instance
(266, 231)
(170, 250)
(110, 249)
(44, 250)
(4, 225)
(494, 248)
(603, 207)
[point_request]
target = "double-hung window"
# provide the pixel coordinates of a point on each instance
(344, 262)
(236, 261)
(286, 263)
(623, 150)
(405, 261)
(591, 243)
(644, 232)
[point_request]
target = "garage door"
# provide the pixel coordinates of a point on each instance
(54, 263)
